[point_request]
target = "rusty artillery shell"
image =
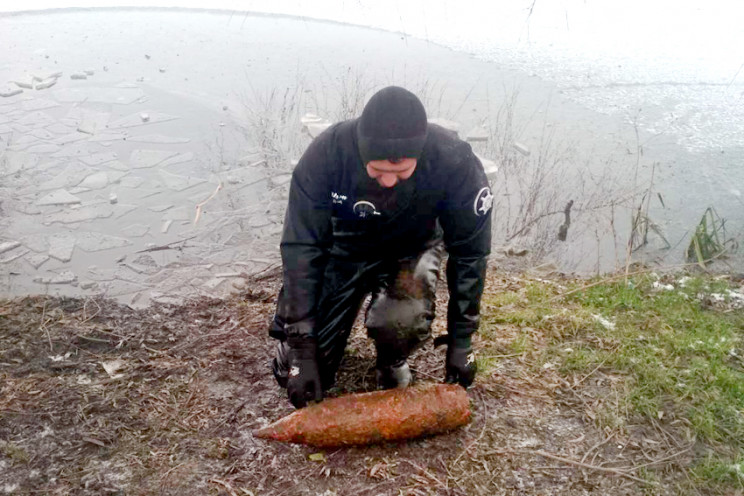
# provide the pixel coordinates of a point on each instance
(368, 418)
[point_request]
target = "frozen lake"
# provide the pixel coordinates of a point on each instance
(155, 165)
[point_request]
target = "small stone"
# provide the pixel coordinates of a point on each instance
(113, 199)
(516, 251)
(145, 117)
(88, 285)
(78, 75)
(162, 70)
(89, 72)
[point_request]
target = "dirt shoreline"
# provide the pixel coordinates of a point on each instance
(98, 398)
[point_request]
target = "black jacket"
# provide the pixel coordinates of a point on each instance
(336, 210)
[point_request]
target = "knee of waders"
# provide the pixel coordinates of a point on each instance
(398, 323)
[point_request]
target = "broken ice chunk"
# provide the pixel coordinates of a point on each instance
(98, 158)
(48, 83)
(9, 245)
(93, 122)
(489, 166)
(177, 182)
(27, 83)
(13, 255)
(37, 260)
(61, 246)
(8, 91)
(158, 138)
(522, 149)
(315, 128)
(136, 119)
(478, 133)
(141, 159)
(93, 241)
(97, 180)
(78, 75)
(446, 123)
(59, 197)
(64, 277)
(84, 214)
(136, 230)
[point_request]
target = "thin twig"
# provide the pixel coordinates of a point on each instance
(590, 373)
(44, 328)
(480, 436)
(167, 246)
(570, 461)
(84, 310)
(592, 467)
(224, 484)
(200, 205)
(603, 442)
(660, 460)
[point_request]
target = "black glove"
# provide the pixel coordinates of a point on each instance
(460, 366)
(303, 382)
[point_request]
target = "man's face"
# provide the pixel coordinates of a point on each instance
(389, 172)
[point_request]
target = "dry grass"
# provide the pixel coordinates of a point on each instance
(195, 381)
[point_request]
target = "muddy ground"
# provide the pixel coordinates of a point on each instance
(97, 398)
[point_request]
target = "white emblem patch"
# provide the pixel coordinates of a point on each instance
(364, 209)
(483, 201)
(294, 371)
(337, 198)
(471, 358)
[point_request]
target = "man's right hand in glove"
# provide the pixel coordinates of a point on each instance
(460, 366)
(303, 382)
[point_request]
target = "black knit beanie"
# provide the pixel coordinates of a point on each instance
(392, 126)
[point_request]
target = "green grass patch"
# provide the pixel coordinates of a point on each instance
(677, 355)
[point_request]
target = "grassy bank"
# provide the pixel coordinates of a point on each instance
(656, 363)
